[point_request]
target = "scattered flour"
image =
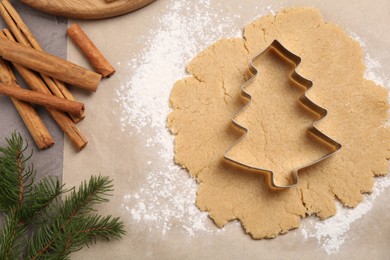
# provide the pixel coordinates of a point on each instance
(331, 233)
(373, 67)
(178, 36)
(181, 33)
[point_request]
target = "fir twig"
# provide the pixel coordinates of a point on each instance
(101, 227)
(10, 239)
(15, 179)
(65, 226)
(41, 198)
(15, 182)
(94, 192)
(72, 227)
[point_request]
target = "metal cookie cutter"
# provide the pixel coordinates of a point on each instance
(307, 84)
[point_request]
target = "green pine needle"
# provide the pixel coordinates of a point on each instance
(72, 227)
(15, 178)
(11, 237)
(82, 201)
(62, 226)
(42, 197)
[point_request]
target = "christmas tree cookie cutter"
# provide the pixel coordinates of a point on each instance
(305, 101)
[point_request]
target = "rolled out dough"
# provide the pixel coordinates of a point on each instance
(204, 103)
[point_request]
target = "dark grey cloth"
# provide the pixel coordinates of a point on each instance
(50, 32)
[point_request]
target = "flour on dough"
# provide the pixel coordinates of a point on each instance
(204, 103)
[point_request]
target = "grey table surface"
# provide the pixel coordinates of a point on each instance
(50, 33)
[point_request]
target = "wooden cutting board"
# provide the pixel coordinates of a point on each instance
(87, 9)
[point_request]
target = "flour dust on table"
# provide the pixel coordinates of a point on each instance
(332, 233)
(178, 36)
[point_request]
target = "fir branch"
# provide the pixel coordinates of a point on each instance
(97, 226)
(15, 183)
(86, 230)
(40, 243)
(65, 226)
(72, 227)
(88, 194)
(11, 234)
(15, 178)
(80, 231)
(42, 198)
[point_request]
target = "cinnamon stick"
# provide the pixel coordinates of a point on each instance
(49, 65)
(76, 117)
(24, 36)
(64, 122)
(93, 54)
(50, 101)
(30, 117)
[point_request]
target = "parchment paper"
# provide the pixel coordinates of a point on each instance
(113, 152)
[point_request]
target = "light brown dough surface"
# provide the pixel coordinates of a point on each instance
(286, 122)
(204, 103)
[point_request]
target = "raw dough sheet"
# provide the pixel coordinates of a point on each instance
(277, 139)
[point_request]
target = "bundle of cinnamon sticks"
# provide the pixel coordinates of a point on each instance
(46, 76)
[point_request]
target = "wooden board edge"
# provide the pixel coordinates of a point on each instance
(85, 14)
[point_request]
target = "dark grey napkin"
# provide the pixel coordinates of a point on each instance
(50, 32)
